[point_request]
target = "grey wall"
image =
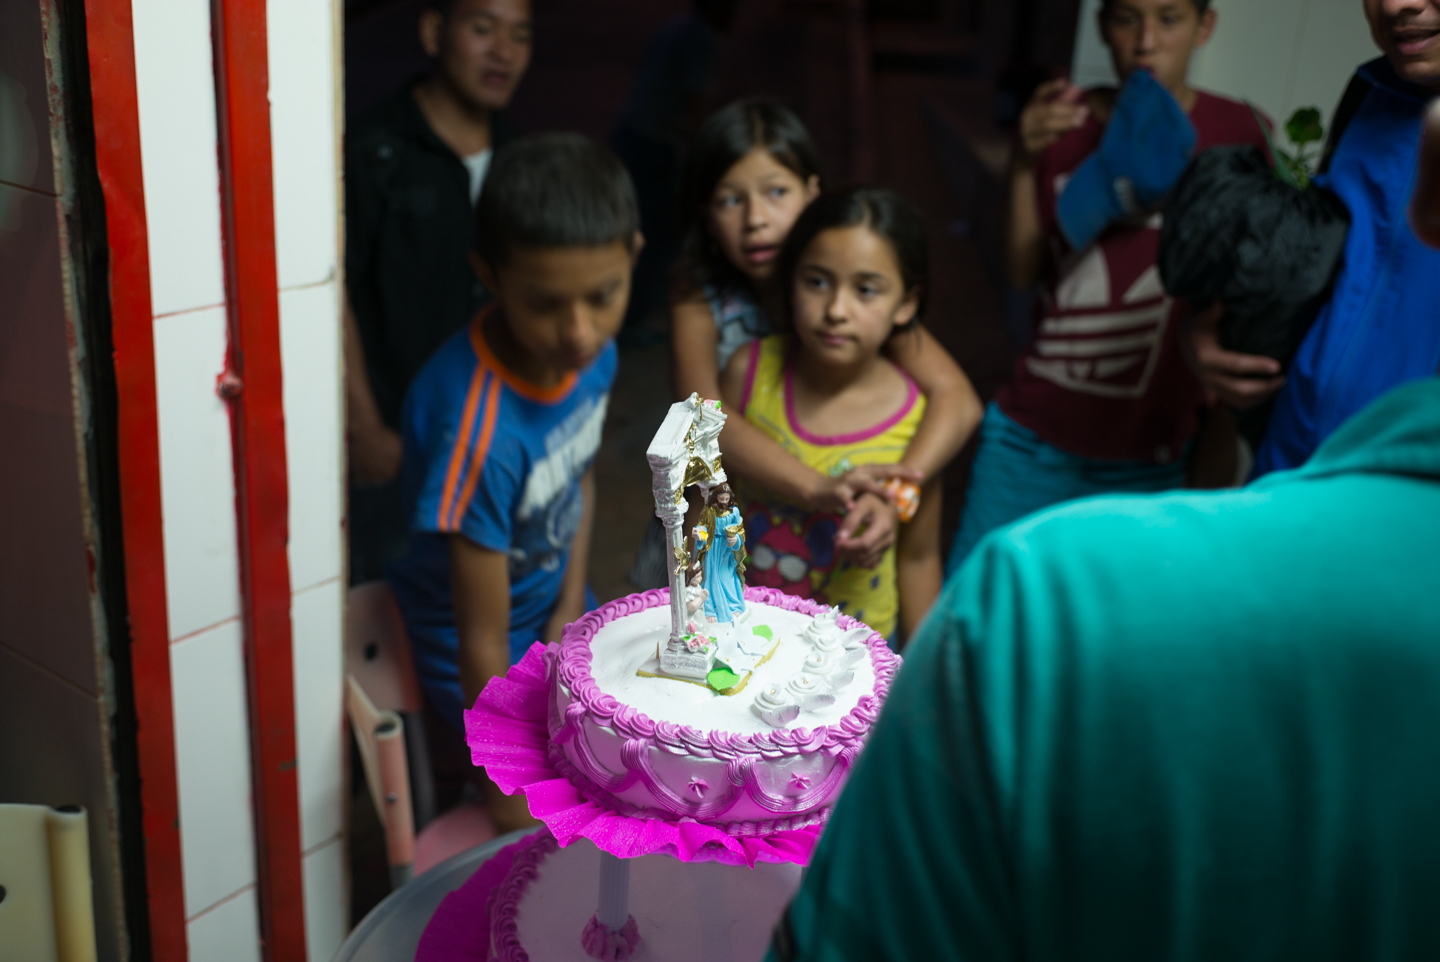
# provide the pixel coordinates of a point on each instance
(53, 703)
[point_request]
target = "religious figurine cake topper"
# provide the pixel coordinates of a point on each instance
(720, 555)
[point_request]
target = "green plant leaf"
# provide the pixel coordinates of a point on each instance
(1304, 127)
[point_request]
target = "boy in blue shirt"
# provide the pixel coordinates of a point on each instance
(502, 424)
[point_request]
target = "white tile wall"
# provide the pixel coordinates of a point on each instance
(212, 756)
(310, 355)
(303, 143)
(175, 81)
(302, 132)
(326, 901)
(229, 932)
(197, 478)
(319, 735)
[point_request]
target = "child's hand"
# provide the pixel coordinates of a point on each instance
(1053, 112)
(565, 613)
(837, 495)
(868, 530)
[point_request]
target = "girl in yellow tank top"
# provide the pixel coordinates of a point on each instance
(824, 392)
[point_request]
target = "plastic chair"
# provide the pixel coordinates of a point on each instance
(385, 706)
(383, 702)
(46, 913)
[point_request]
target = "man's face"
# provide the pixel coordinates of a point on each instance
(1408, 31)
(1155, 35)
(482, 48)
(722, 500)
(563, 304)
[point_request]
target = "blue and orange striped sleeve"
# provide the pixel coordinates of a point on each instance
(452, 431)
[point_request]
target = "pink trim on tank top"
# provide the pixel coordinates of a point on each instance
(854, 437)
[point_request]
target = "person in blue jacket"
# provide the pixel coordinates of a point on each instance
(1381, 326)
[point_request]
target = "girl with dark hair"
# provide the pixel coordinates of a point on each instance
(750, 173)
(856, 269)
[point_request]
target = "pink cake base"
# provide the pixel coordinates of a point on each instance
(710, 908)
(459, 931)
(508, 736)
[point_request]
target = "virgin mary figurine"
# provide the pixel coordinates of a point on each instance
(720, 551)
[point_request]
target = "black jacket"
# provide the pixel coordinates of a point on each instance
(408, 228)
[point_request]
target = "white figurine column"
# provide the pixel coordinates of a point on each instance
(687, 444)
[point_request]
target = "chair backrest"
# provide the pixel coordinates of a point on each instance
(377, 650)
(380, 734)
(46, 913)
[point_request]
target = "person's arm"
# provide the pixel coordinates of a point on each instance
(1054, 110)
(918, 569)
(1240, 380)
(952, 409)
(374, 448)
(1425, 203)
(572, 591)
(480, 586)
(748, 450)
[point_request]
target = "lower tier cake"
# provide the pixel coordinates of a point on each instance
(696, 910)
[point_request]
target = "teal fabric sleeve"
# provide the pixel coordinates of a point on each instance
(1186, 727)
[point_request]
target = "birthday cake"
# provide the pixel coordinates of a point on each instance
(755, 758)
(700, 734)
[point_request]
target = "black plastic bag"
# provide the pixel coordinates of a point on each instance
(1236, 233)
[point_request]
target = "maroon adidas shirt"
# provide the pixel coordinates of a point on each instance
(1103, 377)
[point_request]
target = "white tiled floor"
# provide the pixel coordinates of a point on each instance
(303, 141)
(310, 356)
(229, 932)
(326, 898)
(212, 756)
(319, 711)
(175, 81)
(197, 478)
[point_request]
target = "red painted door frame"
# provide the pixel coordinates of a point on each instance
(111, 46)
(258, 429)
(254, 387)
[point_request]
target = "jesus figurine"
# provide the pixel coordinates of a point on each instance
(720, 551)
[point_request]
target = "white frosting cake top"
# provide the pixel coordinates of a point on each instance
(620, 648)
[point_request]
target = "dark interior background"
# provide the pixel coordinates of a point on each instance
(916, 95)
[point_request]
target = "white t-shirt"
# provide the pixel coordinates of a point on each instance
(478, 165)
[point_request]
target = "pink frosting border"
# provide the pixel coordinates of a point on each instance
(459, 931)
(503, 903)
(847, 734)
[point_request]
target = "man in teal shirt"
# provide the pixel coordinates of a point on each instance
(1194, 726)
